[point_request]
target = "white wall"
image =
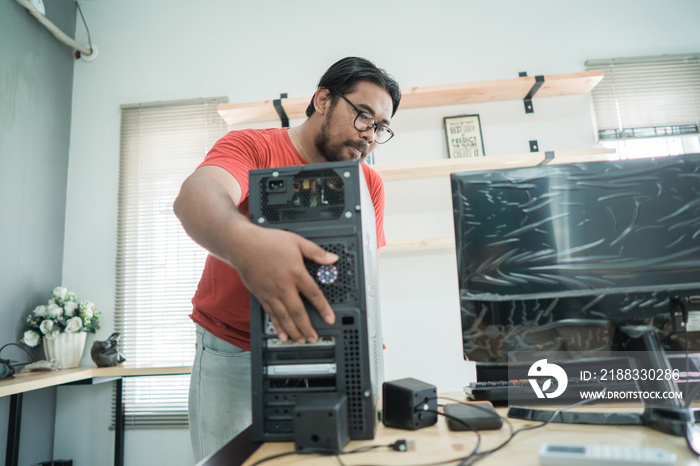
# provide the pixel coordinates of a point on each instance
(36, 82)
(253, 50)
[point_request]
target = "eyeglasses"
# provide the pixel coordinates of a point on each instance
(364, 122)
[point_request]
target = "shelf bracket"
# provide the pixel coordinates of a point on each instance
(548, 157)
(539, 80)
(280, 110)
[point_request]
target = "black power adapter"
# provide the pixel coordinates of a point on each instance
(472, 416)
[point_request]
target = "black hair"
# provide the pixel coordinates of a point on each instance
(344, 75)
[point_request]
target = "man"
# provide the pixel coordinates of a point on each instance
(348, 116)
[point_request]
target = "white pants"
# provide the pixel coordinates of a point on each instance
(220, 394)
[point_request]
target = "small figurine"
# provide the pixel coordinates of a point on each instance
(106, 353)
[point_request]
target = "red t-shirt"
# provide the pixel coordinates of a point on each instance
(221, 304)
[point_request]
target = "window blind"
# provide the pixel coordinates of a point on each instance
(158, 265)
(647, 96)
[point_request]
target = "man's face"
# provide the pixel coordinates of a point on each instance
(339, 140)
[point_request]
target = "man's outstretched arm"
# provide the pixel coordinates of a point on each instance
(269, 261)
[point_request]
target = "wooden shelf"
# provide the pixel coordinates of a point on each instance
(418, 245)
(554, 85)
(443, 167)
(255, 112)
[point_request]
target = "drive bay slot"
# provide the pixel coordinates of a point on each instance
(297, 383)
(290, 355)
(284, 398)
(275, 343)
(286, 370)
(282, 412)
(279, 426)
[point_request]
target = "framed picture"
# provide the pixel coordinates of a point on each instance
(464, 136)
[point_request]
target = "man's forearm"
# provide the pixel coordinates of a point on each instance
(210, 217)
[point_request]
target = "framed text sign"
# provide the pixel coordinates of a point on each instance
(464, 136)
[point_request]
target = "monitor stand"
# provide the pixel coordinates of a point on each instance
(668, 415)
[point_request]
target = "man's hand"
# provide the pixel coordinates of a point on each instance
(273, 269)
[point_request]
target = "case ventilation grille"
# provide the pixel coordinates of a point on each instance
(353, 383)
(344, 288)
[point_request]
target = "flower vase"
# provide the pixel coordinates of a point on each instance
(65, 350)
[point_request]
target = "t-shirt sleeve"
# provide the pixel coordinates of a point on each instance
(375, 185)
(238, 152)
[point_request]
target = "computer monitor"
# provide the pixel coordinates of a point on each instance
(558, 258)
(583, 259)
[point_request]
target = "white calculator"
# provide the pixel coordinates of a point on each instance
(556, 454)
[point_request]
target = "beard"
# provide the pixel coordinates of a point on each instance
(333, 152)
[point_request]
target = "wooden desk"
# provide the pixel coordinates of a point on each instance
(24, 382)
(437, 443)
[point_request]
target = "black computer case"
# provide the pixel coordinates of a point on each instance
(330, 205)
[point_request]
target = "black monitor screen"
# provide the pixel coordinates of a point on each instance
(551, 257)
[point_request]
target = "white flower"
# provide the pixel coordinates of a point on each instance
(69, 308)
(74, 324)
(31, 338)
(60, 292)
(46, 327)
(54, 310)
(40, 311)
(87, 309)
